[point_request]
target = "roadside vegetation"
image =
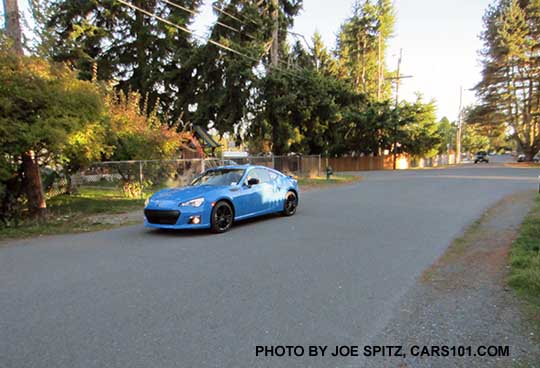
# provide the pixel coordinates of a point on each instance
(73, 213)
(525, 260)
(320, 181)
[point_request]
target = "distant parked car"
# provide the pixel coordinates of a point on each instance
(481, 156)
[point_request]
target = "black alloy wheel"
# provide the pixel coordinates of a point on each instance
(291, 203)
(222, 217)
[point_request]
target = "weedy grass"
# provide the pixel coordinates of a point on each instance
(322, 181)
(72, 213)
(525, 259)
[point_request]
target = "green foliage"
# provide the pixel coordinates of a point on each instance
(447, 131)
(134, 135)
(329, 102)
(525, 257)
(362, 43)
(301, 113)
(420, 135)
(472, 140)
(510, 86)
(41, 104)
(117, 42)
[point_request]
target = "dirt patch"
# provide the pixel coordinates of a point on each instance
(321, 184)
(117, 218)
(523, 165)
(464, 300)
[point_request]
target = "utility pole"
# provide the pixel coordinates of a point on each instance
(380, 69)
(274, 51)
(13, 25)
(458, 133)
(398, 78)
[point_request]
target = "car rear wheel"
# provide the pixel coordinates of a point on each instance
(291, 203)
(222, 217)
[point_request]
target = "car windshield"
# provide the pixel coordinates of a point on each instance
(219, 177)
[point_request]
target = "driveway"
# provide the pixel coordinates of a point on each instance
(331, 275)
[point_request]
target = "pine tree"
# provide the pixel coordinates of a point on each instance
(141, 53)
(362, 42)
(510, 86)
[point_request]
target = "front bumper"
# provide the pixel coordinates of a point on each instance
(163, 218)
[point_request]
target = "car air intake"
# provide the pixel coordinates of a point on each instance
(162, 217)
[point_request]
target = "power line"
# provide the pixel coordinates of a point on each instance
(234, 17)
(190, 11)
(296, 34)
(217, 44)
(194, 12)
(184, 29)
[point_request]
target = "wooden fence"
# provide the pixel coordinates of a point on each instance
(366, 163)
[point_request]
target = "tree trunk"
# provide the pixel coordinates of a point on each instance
(274, 51)
(33, 186)
(13, 27)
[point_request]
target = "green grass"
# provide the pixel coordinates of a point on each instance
(71, 213)
(525, 259)
(322, 181)
(92, 201)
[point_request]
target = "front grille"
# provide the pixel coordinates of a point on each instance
(162, 217)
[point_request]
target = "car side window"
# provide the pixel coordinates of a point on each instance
(273, 176)
(260, 174)
(263, 175)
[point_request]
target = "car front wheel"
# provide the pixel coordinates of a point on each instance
(222, 217)
(291, 203)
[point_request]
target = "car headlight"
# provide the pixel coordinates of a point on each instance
(146, 202)
(193, 203)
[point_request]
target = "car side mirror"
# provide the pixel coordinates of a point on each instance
(252, 181)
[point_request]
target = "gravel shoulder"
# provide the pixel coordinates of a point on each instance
(463, 299)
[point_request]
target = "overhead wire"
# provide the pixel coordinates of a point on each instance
(210, 41)
(194, 12)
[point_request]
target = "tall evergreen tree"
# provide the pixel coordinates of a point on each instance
(510, 86)
(117, 42)
(362, 42)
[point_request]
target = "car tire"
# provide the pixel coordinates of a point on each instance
(290, 204)
(222, 217)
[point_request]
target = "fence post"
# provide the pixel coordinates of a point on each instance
(202, 165)
(273, 162)
(141, 178)
(299, 160)
(319, 168)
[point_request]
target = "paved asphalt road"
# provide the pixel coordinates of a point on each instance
(330, 275)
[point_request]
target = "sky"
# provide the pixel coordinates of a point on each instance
(439, 40)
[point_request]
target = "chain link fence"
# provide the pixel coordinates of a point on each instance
(133, 177)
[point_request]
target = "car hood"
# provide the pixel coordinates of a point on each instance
(186, 193)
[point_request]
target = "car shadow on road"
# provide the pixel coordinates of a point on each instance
(238, 225)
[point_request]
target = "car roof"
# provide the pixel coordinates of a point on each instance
(241, 167)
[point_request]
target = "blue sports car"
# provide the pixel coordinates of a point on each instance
(220, 196)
